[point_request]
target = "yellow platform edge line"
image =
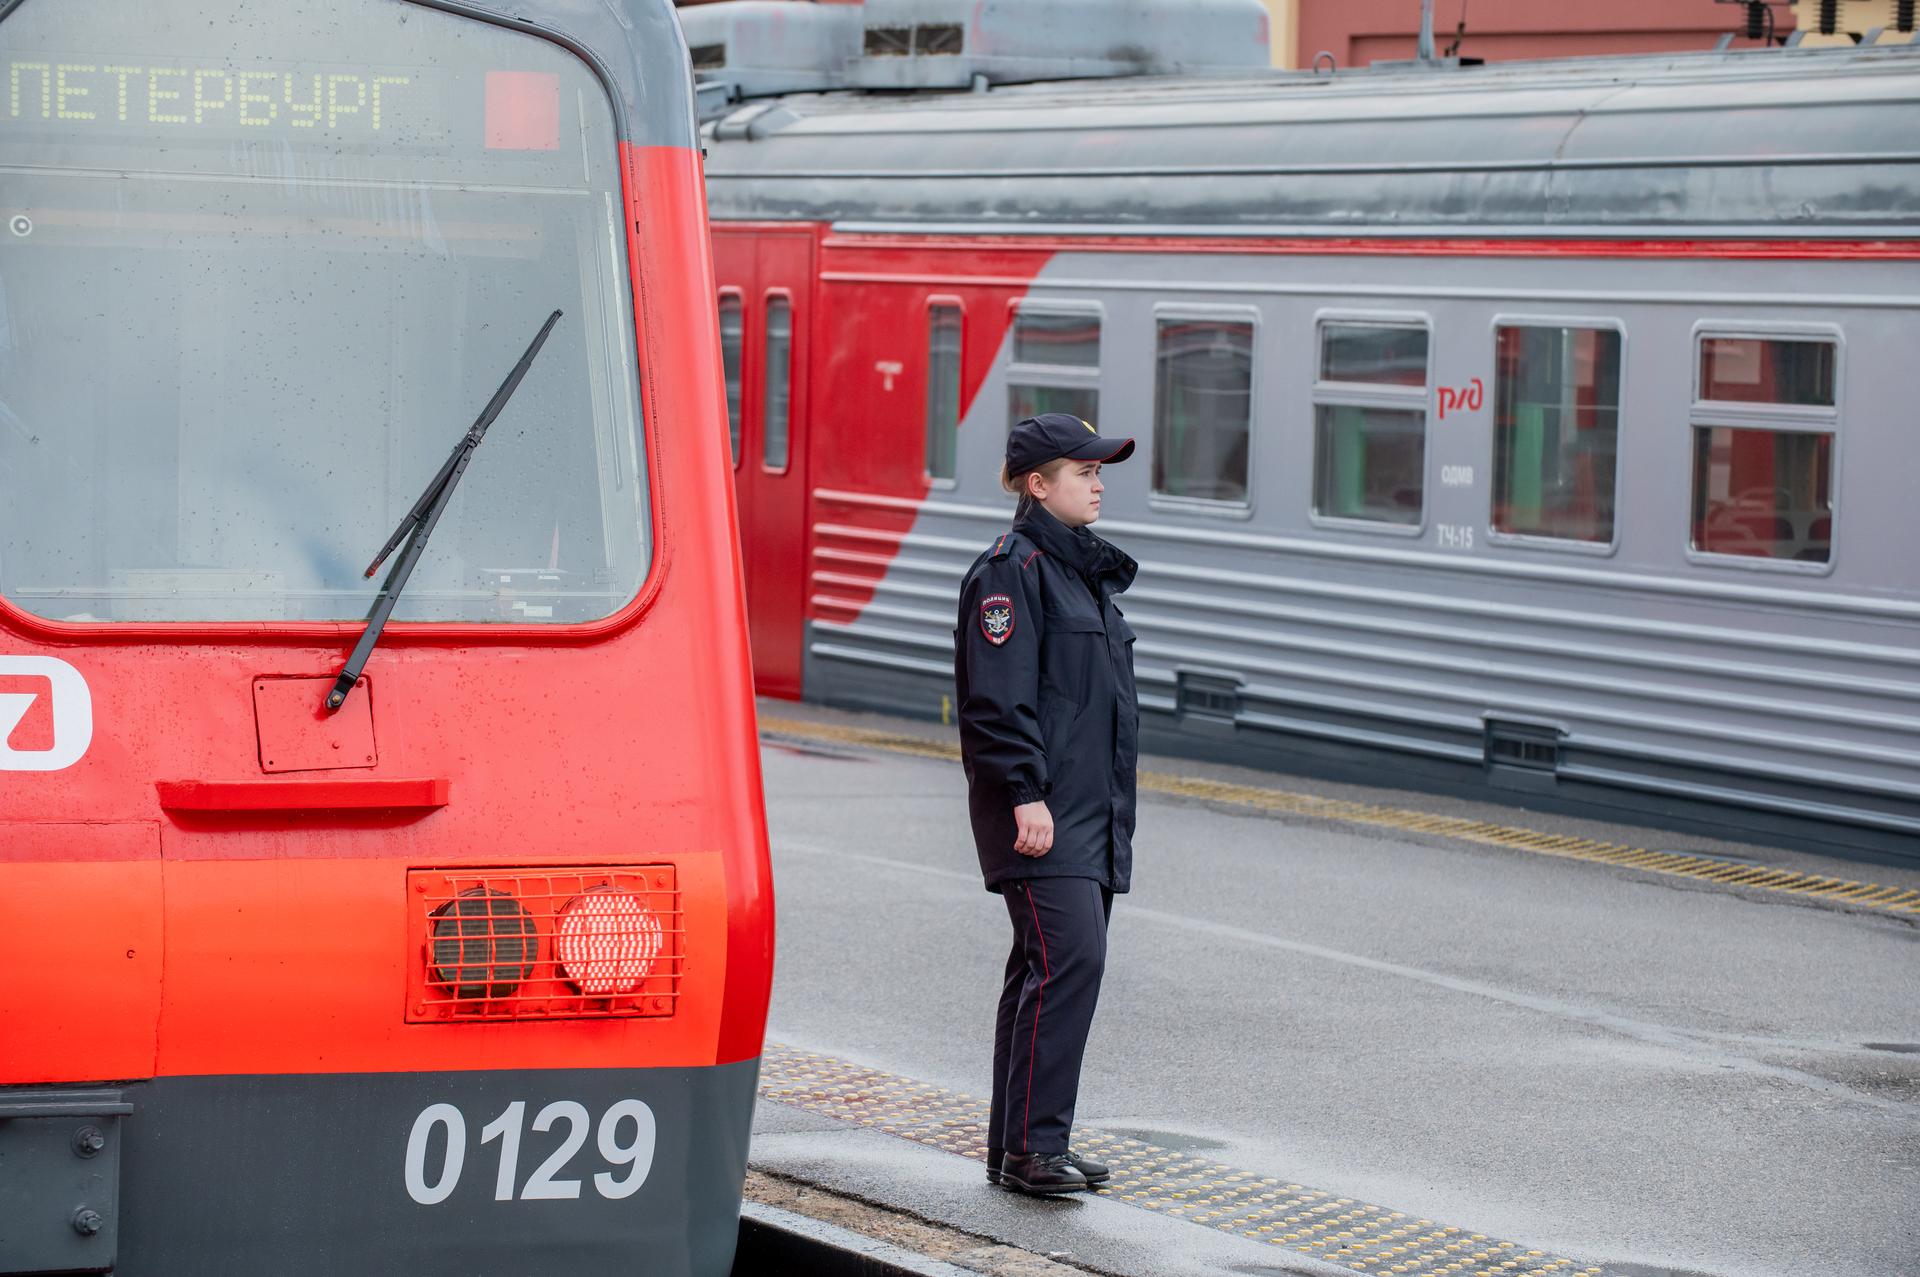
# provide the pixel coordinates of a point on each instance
(1865, 895)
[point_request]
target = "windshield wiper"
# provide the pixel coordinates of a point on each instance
(421, 519)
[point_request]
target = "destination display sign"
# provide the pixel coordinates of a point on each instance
(75, 95)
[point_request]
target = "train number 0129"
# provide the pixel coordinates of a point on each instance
(624, 1136)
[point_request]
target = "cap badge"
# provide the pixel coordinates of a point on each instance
(996, 618)
(1089, 426)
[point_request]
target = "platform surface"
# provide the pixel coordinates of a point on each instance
(1349, 1030)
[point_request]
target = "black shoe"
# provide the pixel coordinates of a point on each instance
(1042, 1173)
(995, 1158)
(1094, 1171)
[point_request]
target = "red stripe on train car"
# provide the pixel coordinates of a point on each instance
(1307, 246)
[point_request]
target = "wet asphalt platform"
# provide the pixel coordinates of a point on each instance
(1343, 1031)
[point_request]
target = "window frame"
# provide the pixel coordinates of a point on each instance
(720, 297)
(641, 453)
(1532, 541)
(958, 303)
(767, 298)
(1361, 394)
(1208, 507)
(1773, 419)
(1054, 376)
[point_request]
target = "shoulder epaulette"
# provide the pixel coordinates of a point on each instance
(1003, 546)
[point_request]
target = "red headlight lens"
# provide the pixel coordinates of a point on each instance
(606, 942)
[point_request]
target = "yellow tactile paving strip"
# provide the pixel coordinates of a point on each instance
(1865, 895)
(1354, 1234)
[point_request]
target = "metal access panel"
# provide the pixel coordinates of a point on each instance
(60, 1180)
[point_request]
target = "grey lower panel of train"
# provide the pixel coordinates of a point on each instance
(1381, 752)
(423, 1173)
(1751, 697)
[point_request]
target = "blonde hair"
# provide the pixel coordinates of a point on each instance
(1017, 483)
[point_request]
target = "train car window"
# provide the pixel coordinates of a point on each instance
(1070, 340)
(732, 340)
(944, 322)
(1556, 424)
(1056, 363)
(1370, 424)
(1369, 463)
(779, 384)
(1030, 401)
(1763, 474)
(1374, 355)
(278, 259)
(1755, 370)
(1203, 398)
(1767, 493)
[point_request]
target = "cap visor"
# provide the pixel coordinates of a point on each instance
(1105, 451)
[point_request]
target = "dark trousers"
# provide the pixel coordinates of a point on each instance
(1046, 1007)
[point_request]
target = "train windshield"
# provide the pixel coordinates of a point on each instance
(263, 264)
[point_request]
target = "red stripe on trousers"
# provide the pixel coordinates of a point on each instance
(1033, 1048)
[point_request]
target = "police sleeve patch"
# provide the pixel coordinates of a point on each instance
(996, 618)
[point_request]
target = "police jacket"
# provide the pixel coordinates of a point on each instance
(1043, 674)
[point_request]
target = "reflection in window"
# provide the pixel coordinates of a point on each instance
(943, 389)
(779, 341)
(1763, 493)
(1372, 353)
(1755, 370)
(1555, 431)
(333, 341)
(1370, 423)
(731, 337)
(1030, 401)
(1203, 392)
(1370, 463)
(1056, 365)
(1057, 340)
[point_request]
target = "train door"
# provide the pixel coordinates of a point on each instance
(766, 308)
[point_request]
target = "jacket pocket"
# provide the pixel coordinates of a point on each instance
(1073, 655)
(1058, 711)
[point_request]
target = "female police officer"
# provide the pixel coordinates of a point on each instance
(1049, 728)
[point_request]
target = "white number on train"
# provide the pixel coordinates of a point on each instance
(543, 1187)
(456, 1155)
(622, 1147)
(1454, 536)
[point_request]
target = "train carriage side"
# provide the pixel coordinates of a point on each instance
(1538, 428)
(468, 971)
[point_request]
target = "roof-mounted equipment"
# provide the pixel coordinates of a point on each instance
(1843, 24)
(761, 47)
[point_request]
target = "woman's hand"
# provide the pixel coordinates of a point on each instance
(1034, 829)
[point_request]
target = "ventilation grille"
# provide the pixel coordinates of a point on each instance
(889, 42)
(932, 39)
(550, 943)
(709, 57)
(1531, 747)
(942, 38)
(1207, 695)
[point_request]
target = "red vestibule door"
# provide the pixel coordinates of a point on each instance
(765, 277)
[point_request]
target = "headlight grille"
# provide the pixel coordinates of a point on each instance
(548, 943)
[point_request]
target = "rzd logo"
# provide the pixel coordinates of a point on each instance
(69, 705)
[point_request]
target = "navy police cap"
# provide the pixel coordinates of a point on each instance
(1034, 441)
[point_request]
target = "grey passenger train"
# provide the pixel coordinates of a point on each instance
(1547, 427)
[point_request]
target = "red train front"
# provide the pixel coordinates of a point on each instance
(470, 973)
